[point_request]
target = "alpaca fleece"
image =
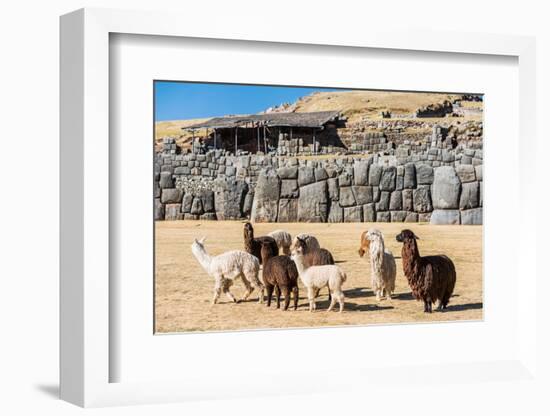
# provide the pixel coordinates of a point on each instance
(227, 267)
(279, 273)
(283, 240)
(364, 244)
(254, 245)
(317, 277)
(431, 278)
(383, 269)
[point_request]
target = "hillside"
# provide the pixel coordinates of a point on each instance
(357, 106)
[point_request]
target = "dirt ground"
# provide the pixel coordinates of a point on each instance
(183, 290)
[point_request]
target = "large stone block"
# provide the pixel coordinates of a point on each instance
(347, 199)
(229, 199)
(159, 210)
(289, 188)
(320, 174)
(345, 179)
(422, 201)
(207, 198)
(375, 173)
(313, 202)
(411, 217)
(384, 203)
(187, 202)
(166, 180)
(407, 202)
(409, 178)
(472, 216)
(479, 172)
(247, 205)
(288, 210)
(172, 212)
(398, 216)
(466, 173)
(353, 214)
(361, 172)
(383, 216)
(171, 196)
(446, 188)
(266, 197)
(387, 180)
(396, 201)
(196, 207)
(288, 172)
(369, 213)
(424, 174)
(333, 189)
(336, 213)
(469, 197)
(182, 170)
(305, 175)
(208, 216)
(362, 194)
(445, 217)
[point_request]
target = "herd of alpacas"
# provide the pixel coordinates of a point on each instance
(431, 278)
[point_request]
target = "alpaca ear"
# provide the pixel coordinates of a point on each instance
(416, 237)
(202, 240)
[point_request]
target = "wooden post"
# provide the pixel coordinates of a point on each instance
(193, 141)
(215, 139)
(265, 143)
(258, 134)
(236, 141)
(314, 150)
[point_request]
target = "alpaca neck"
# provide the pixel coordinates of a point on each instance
(300, 264)
(248, 239)
(377, 255)
(203, 257)
(411, 258)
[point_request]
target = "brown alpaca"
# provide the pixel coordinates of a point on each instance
(431, 278)
(365, 243)
(279, 273)
(254, 245)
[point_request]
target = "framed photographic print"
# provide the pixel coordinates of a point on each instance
(225, 199)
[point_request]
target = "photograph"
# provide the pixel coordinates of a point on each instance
(280, 207)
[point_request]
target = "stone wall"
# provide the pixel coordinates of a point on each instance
(443, 186)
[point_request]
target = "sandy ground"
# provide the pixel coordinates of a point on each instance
(183, 290)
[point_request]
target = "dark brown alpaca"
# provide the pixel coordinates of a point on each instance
(254, 245)
(431, 278)
(279, 273)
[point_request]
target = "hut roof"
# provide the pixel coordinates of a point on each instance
(314, 119)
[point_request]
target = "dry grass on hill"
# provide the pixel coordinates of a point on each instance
(184, 290)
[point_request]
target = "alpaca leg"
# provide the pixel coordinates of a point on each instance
(248, 287)
(269, 290)
(340, 297)
(217, 290)
(286, 293)
(428, 306)
(225, 288)
(278, 296)
(311, 298)
(332, 302)
(295, 295)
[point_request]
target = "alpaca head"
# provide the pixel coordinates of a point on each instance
(198, 245)
(265, 252)
(248, 230)
(300, 246)
(406, 236)
(364, 245)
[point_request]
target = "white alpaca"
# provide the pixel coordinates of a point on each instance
(227, 267)
(311, 242)
(317, 277)
(382, 265)
(283, 239)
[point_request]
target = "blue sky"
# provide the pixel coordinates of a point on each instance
(183, 100)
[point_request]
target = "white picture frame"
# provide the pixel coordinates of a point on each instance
(85, 216)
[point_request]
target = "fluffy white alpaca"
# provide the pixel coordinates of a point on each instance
(382, 265)
(317, 277)
(283, 239)
(227, 267)
(311, 242)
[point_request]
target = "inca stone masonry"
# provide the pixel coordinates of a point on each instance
(437, 185)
